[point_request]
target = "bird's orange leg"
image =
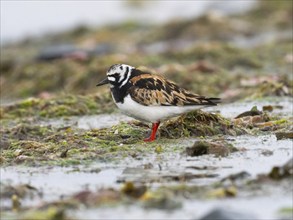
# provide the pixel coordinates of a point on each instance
(154, 131)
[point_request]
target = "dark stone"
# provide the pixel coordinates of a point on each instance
(4, 144)
(237, 176)
(199, 148)
(217, 148)
(254, 111)
(285, 171)
(284, 135)
(56, 51)
(223, 214)
(64, 153)
(101, 49)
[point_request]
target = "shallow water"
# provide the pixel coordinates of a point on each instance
(57, 182)
(196, 209)
(88, 122)
(234, 109)
(256, 155)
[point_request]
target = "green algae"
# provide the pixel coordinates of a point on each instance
(213, 44)
(52, 213)
(230, 64)
(286, 212)
(30, 144)
(66, 105)
(223, 55)
(35, 144)
(271, 89)
(199, 124)
(279, 11)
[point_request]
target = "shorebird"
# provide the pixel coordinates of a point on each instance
(149, 97)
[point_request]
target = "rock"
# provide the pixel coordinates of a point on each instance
(15, 203)
(101, 49)
(267, 152)
(101, 197)
(284, 135)
(21, 191)
(218, 148)
(56, 52)
(268, 108)
(64, 153)
(46, 213)
(236, 177)
(82, 196)
(254, 111)
(224, 214)
(132, 190)
(183, 177)
(160, 201)
(223, 192)
(148, 166)
(253, 118)
(278, 173)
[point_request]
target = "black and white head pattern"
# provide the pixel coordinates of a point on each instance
(119, 74)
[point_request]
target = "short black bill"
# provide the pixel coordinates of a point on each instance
(103, 82)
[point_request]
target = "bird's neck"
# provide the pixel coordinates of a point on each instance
(120, 93)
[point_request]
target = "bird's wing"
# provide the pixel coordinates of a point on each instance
(154, 90)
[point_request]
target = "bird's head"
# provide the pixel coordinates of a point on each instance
(117, 75)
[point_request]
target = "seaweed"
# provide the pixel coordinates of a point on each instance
(199, 123)
(66, 105)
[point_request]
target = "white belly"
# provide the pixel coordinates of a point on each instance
(152, 113)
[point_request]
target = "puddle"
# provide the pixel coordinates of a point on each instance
(87, 122)
(101, 121)
(58, 182)
(194, 209)
(267, 210)
(45, 177)
(256, 155)
(234, 109)
(250, 158)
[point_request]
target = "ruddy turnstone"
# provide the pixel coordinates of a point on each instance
(150, 98)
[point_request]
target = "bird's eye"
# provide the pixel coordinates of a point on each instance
(121, 67)
(116, 75)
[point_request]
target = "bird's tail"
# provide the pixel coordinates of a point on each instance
(214, 101)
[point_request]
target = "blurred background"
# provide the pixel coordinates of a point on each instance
(64, 154)
(39, 17)
(219, 48)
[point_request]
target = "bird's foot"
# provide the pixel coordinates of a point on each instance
(154, 131)
(149, 139)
